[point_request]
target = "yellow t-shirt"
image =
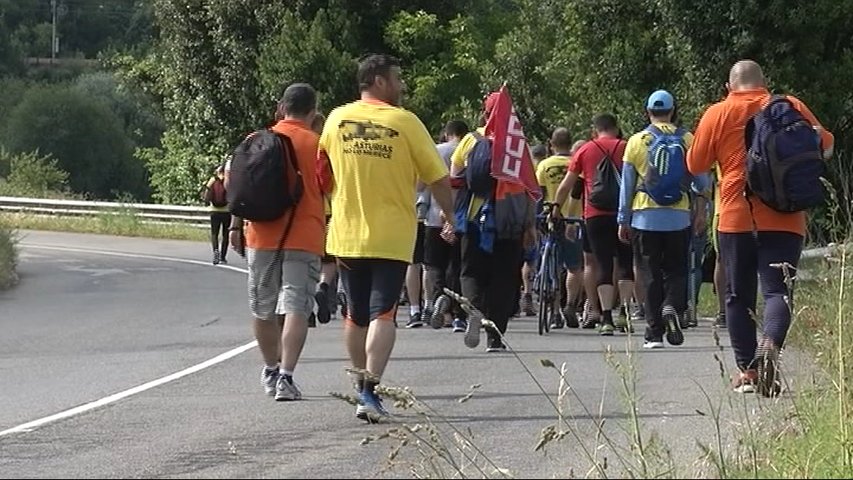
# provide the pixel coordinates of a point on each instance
(550, 173)
(636, 153)
(459, 159)
(377, 152)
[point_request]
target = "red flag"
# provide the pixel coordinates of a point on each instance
(511, 159)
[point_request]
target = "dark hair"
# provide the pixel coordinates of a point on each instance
(604, 122)
(457, 128)
(561, 138)
(539, 151)
(371, 66)
(298, 100)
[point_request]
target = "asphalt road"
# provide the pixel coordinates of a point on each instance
(95, 316)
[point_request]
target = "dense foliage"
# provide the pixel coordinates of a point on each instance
(214, 68)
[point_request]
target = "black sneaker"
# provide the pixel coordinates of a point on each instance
(415, 321)
(720, 320)
(691, 318)
(570, 315)
(216, 257)
(557, 320)
(674, 335)
(496, 345)
(312, 321)
(442, 306)
(322, 299)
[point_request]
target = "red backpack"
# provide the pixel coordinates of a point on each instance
(216, 194)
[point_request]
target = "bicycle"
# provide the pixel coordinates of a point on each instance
(549, 275)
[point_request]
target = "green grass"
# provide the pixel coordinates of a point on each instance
(8, 256)
(813, 438)
(125, 224)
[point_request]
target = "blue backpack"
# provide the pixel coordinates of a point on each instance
(666, 176)
(478, 172)
(784, 164)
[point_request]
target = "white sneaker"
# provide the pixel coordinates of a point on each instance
(269, 378)
(650, 345)
(286, 391)
(472, 333)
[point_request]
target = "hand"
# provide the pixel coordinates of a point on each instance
(529, 238)
(448, 233)
(625, 233)
(555, 211)
(572, 231)
(237, 243)
(700, 224)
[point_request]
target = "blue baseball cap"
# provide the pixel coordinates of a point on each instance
(660, 100)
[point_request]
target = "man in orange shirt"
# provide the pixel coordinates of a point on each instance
(753, 237)
(282, 284)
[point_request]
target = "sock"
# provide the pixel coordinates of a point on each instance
(415, 309)
(271, 368)
(607, 317)
(287, 374)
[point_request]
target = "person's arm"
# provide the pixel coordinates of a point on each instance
(565, 188)
(827, 139)
(626, 194)
(702, 154)
(443, 194)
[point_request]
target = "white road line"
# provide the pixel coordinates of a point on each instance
(29, 426)
(132, 255)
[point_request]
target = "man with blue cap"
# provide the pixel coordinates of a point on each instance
(654, 214)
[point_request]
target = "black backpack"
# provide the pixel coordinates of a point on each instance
(604, 194)
(264, 181)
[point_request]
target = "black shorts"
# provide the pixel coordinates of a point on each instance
(418, 255)
(437, 252)
(587, 247)
(372, 286)
(326, 257)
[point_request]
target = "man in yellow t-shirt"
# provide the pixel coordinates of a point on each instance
(372, 154)
(550, 173)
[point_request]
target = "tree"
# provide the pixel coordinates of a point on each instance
(140, 116)
(86, 138)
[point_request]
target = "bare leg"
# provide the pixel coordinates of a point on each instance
(268, 335)
(356, 340)
(293, 337)
(381, 336)
(413, 286)
(589, 274)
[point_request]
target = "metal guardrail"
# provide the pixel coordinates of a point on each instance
(171, 214)
(150, 213)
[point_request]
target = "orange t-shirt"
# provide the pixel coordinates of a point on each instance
(719, 139)
(309, 227)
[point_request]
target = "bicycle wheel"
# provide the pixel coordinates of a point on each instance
(544, 313)
(544, 290)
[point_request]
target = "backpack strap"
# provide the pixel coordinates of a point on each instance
(606, 154)
(287, 147)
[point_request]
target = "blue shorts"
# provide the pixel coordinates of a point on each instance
(531, 255)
